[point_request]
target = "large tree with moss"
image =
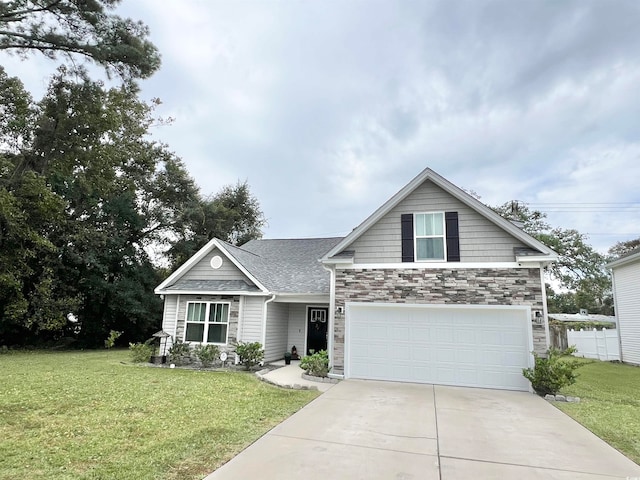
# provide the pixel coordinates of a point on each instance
(580, 268)
(74, 29)
(89, 206)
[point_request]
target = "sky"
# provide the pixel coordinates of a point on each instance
(328, 108)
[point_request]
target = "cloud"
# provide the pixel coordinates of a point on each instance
(328, 108)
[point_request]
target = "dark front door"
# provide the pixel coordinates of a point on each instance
(317, 321)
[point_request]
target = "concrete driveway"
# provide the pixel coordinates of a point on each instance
(383, 430)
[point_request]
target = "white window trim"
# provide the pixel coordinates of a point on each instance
(206, 322)
(443, 236)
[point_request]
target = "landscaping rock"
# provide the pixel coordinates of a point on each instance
(550, 397)
(313, 378)
(561, 398)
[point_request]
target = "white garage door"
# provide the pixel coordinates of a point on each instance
(474, 346)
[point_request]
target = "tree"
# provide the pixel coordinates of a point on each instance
(81, 202)
(30, 298)
(85, 28)
(533, 222)
(85, 197)
(579, 269)
(232, 215)
(621, 249)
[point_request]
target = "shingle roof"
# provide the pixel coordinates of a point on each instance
(213, 286)
(287, 266)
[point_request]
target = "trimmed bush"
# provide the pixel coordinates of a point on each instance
(553, 373)
(207, 354)
(180, 353)
(316, 364)
(250, 353)
(141, 352)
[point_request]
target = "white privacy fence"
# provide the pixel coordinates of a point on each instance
(601, 344)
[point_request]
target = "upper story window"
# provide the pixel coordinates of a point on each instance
(207, 322)
(429, 236)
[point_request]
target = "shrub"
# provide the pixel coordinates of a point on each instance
(180, 353)
(111, 339)
(551, 374)
(316, 364)
(141, 352)
(250, 353)
(207, 354)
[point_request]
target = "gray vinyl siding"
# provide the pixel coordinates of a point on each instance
(277, 330)
(251, 323)
(627, 292)
(297, 327)
(203, 271)
(480, 239)
(169, 317)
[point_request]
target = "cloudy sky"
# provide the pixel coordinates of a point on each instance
(327, 108)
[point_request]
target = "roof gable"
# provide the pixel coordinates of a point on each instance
(225, 249)
(287, 266)
(454, 191)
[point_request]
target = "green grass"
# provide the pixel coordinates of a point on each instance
(609, 405)
(93, 415)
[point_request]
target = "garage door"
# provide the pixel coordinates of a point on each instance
(474, 346)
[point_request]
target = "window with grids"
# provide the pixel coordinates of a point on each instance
(207, 322)
(429, 236)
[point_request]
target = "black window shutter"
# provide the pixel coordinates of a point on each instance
(453, 236)
(406, 221)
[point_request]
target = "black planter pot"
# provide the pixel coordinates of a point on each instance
(158, 359)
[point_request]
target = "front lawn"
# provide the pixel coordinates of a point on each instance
(93, 415)
(610, 404)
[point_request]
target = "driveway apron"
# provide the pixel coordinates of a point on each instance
(385, 430)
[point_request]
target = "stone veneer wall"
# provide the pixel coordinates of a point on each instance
(234, 309)
(515, 286)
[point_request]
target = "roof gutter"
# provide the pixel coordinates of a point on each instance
(264, 320)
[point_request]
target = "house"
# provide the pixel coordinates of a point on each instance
(560, 322)
(625, 273)
(433, 287)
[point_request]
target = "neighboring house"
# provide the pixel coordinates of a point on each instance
(433, 287)
(625, 273)
(582, 317)
(563, 321)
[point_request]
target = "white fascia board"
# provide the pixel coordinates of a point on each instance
(337, 261)
(546, 259)
(211, 292)
(302, 298)
(436, 265)
(199, 255)
(464, 197)
(623, 261)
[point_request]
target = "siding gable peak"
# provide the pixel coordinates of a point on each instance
(429, 175)
(225, 249)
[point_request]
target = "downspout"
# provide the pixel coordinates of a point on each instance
(545, 312)
(615, 313)
(175, 324)
(240, 319)
(264, 323)
(332, 311)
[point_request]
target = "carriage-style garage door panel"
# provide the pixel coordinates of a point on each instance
(472, 346)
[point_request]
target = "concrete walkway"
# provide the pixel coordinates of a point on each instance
(290, 376)
(383, 430)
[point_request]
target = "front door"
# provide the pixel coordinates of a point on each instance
(317, 321)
